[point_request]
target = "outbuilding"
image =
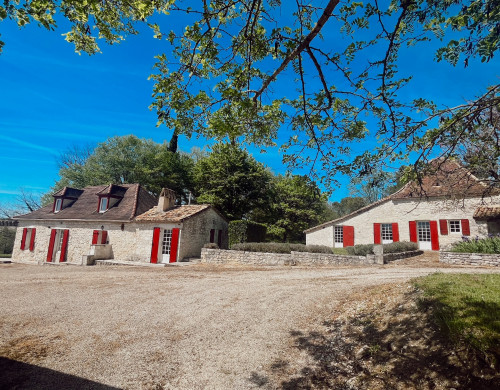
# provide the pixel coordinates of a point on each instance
(121, 222)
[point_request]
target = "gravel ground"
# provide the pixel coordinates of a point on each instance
(193, 327)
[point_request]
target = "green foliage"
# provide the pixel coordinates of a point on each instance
(129, 159)
(217, 75)
(467, 308)
(346, 206)
(7, 237)
(246, 231)
(280, 247)
(232, 180)
(401, 246)
(295, 204)
(393, 247)
(211, 245)
(360, 249)
(485, 245)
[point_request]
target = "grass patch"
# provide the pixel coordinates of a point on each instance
(5, 255)
(467, 309)
(340, 251)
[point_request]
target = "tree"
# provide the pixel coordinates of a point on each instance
(129, 159)
(476, 142)
(7, 236)
(296, 205)
(232, 180)
(347, 205)
(217, 80)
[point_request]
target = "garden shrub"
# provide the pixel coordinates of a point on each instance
(280, 247)
(360, 249)
(394, 247)
(246, 231)
(401, 246)
(485, 245)
(211, 245)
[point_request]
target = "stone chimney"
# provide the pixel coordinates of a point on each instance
(167, 200)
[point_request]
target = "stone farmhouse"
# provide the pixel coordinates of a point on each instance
(122, 222)
(444, 206)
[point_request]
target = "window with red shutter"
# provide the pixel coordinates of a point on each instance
(443, 227)
(465, 227)
(376, 233)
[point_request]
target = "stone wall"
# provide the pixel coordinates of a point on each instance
(404, 210)
(196, 233)
(479, 259)
(299, 258)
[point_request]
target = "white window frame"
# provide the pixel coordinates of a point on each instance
(29, 237)
(386, 234)
(58, 205)
(455, 226)
(104, 200)
(338, 236)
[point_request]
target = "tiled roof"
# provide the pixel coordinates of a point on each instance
(174, 214)
(487, 212)
(68, 192)
(113, 189)
(446, 178)
(136, 200)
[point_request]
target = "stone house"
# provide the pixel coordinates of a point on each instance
(122, 222)
(447, 204)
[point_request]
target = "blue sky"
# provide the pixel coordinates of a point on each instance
(52, 99)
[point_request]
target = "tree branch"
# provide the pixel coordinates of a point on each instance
(301, 47)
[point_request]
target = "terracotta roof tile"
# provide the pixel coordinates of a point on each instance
(446, 178)
(135, 201)
(175, 214)
(487, 212)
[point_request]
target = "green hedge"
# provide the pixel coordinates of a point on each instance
(394, 247)
(485, 245)
(279, 247)
(246, 231)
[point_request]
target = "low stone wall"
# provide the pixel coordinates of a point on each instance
(479, 259)
(295, 258)
(402, 255)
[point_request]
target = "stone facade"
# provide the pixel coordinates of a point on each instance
(401, 211)
(127, 241)
(295, 258)
(478, 259)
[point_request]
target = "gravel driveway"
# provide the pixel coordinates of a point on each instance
(194, 327)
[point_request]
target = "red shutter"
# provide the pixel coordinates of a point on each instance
(376, 233)
(23, 239)
(212, 235)
(51, 245)
(156, 243)
(413, 231)
(32, 241)
(174, 245)
(95, 237)
(434, 235)
(104, 237)
(443, 226)
(465, 227)
(395, 232)
(219, 238)
(64, 246)
(348, 232)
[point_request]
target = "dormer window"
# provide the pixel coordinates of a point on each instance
(58, 205)
(103, 204)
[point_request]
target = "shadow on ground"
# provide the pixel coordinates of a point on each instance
(390, 345)
(18, 375)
